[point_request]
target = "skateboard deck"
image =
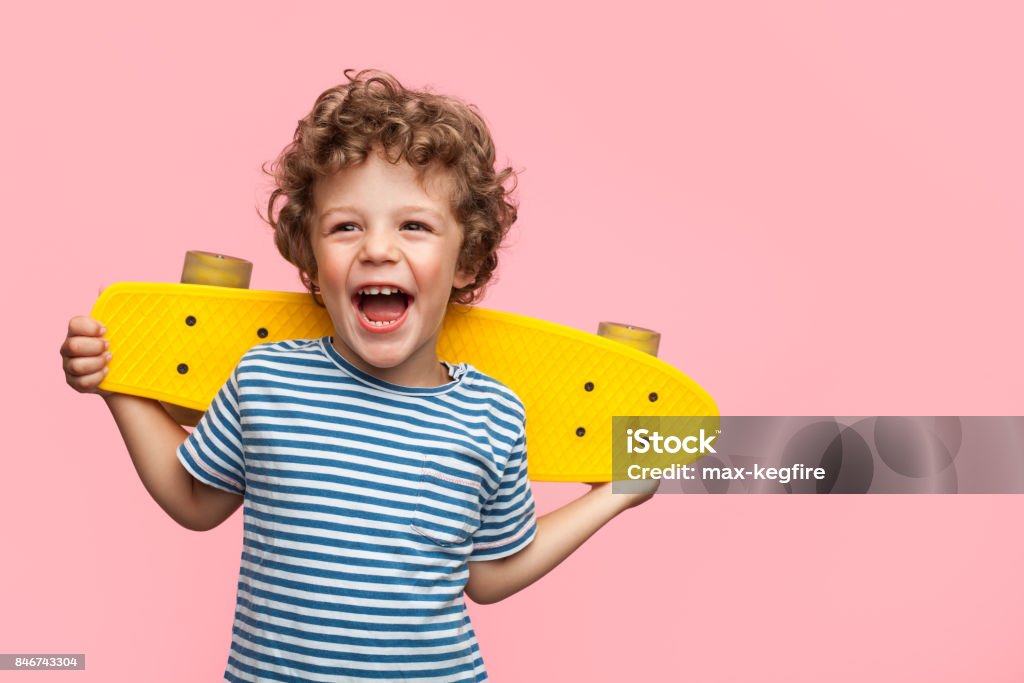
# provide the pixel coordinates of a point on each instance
(178, 343)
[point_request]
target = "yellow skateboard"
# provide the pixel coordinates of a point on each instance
(179, 342)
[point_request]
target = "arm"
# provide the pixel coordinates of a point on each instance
(559, 534)
(152, 438)
(150, 434)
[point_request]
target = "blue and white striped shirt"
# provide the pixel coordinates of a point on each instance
(363, 503)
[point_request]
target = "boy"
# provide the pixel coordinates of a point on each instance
(379, 483)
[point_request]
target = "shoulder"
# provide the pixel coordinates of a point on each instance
(281, 354)
(491, 392)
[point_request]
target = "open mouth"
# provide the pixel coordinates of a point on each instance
(381, 307)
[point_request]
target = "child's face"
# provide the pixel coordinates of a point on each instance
(374, 224)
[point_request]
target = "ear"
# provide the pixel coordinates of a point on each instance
(313, 281)
(463, 279)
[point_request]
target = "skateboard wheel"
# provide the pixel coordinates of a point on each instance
(639, 338)
(207, 268)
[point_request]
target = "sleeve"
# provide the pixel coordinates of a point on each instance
(508, 518)
(213, 451)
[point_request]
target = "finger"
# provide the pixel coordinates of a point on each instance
(88, 383)
(84, 326)
(78, 347)
(80, 367)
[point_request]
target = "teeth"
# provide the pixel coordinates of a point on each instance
(377, 323)
(380, 290)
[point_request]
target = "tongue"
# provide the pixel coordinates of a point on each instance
(383, 307)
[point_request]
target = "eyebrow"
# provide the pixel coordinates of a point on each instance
(411, 208)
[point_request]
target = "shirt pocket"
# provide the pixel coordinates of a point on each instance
(448, 505)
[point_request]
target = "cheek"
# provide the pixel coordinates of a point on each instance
(332, 265)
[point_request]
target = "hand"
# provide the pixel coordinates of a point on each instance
(85, 353)
(632, 493)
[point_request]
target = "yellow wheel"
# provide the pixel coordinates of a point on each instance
(206, 268)
(639, 338)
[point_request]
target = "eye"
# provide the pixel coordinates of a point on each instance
(418, 227)
(344, 227)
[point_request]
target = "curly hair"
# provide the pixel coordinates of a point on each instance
(424, 129)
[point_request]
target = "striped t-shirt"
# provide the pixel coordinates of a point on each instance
(363, 503)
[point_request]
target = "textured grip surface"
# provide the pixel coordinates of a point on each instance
(179, 343)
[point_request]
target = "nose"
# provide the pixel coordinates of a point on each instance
(378, 246)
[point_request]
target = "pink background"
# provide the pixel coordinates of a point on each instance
(819, 206)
